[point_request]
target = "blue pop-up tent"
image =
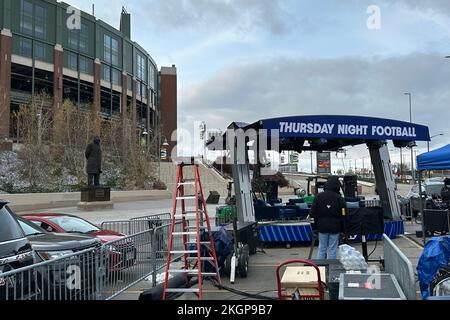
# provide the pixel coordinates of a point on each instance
(435, 160)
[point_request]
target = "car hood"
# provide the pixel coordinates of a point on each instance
(106, 236)
(61, 242)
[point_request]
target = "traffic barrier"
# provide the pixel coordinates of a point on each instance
(136, 225)
(101, 273)
(71, 277)
(398, 264)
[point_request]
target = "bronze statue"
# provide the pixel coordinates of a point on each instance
(94, 162)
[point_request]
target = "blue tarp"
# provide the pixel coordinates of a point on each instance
(435, 257)
(435, 160)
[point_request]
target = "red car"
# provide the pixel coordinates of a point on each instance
(122, 253)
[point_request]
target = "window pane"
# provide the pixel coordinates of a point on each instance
(73, 61)
(85, 65)
(106, 73)
(73, 39)
(40, 22)
(116, 77)
(115, 52)
(26, 18)
(25, 47)
(107, 48)
(39, 51)
(84, 38)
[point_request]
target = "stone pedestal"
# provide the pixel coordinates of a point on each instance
(95, 198)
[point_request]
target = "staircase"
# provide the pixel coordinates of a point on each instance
(211, 179)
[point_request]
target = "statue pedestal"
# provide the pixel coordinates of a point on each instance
(95, 198)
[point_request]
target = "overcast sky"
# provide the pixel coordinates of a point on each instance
(245, 60)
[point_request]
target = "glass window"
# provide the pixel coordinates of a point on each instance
(106, 73)
(73, 63)
(151, 81)
(39, 51)
(140, 67)
(9, 229)
(107, 48)
(115, 52)
(85, 65)
(26, 18)
(115, 77)
(73, 224)
(84, 38)
(26, 48)
(40, 18)
(73, 39)
(29, 228)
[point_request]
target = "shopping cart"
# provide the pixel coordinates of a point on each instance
(319, 287)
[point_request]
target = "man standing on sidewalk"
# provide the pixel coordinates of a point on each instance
(328, 211)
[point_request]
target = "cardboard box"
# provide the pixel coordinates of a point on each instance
(302, 277)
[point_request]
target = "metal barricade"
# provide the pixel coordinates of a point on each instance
(102, 273)
(162, 216)
(398, 264)
(160, 248)
(71, 277)
(124, 263)
(136, 225)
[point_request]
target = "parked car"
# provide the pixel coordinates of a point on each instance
(15, 252)
(122, 255)
(65, 223)
(431, 192)
(54, 280)
(432, 188)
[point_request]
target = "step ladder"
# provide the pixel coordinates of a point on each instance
(194, 261)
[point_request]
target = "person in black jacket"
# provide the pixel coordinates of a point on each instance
(94, 162)
(328, 211)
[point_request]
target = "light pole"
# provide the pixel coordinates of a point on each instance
(431, 138)
(165, 145)
(428, 146)
(413, 173)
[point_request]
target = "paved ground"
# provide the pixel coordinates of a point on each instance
(262, 276)
(122, 211)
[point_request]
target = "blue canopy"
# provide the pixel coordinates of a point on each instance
(328, 132)
(435, 160)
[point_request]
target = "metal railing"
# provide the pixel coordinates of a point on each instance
(136, 225)
(398, 264)
(160, 247)
(71, 277)
(101, 273)
(124, 263)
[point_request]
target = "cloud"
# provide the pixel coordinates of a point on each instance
(300, 86)
(213, 15)
(242, 16)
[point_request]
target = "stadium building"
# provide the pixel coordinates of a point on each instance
(50, 47)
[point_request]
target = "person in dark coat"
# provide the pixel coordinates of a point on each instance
(328, 211)
(94, 162)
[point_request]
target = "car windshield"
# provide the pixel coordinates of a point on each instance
(9, 229)
(74, 224)
(434, 189)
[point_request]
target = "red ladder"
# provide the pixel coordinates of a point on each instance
(194, 262)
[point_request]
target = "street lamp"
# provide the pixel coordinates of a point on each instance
(428, 145)
(413, 173)
(165, 144)
(431, 138)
